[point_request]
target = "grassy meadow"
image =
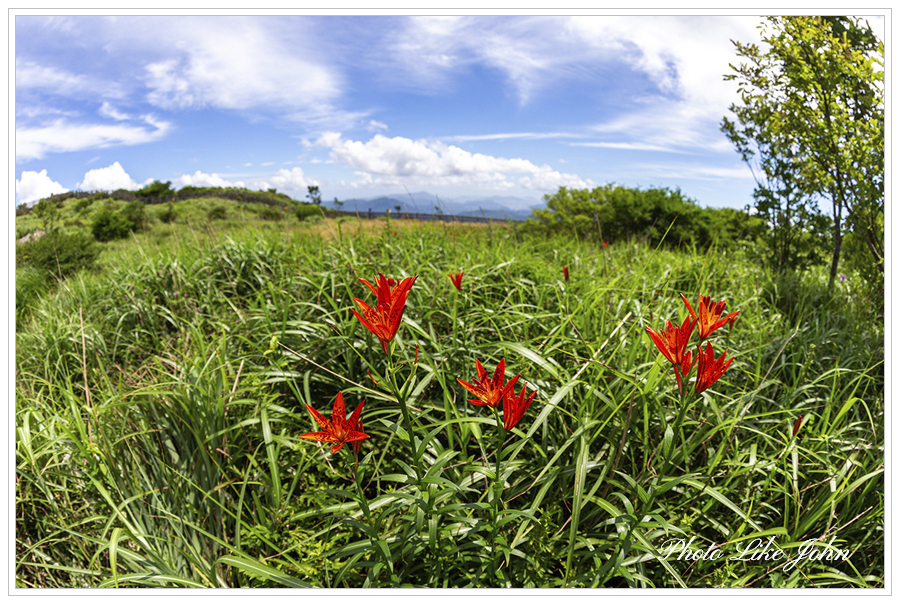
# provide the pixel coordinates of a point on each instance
(160, 397)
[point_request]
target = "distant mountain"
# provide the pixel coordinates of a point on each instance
(421, 202)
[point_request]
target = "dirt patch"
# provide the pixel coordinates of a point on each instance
(31, 236)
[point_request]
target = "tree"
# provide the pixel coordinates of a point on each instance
(48, 212)
(314, 195)
(814, 102)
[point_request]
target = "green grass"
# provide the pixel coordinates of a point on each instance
(159, 401)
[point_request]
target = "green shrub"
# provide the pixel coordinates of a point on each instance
(217, 213)
(156, 189)
(270, 213)
(82, 204)
(135, 213)
(307, 210)
(167, 214)
(59, 253)
(109, 225)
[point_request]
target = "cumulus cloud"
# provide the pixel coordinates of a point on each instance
(201, 179)
(109, 178)
(36, 185)
(398, 160)
(59, 136)
(288, 180)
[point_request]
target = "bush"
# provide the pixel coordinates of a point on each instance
(82, 204)
(307, 210)
(109, 225)
(136, 215)
(167, 214)
(59, 253)
(217, 213)
(270, 213)
(156, 189)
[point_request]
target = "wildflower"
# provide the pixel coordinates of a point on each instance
(674, 341)
(708, 315)
(457, 280)
(340, 429)
(515, 406)
(356, 426)
(384, 319)
(797, 423)
(566, 272)
(843, 278)
(709, 368)
(490, 391)
(605, 243)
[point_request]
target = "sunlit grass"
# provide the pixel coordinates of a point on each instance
(158, 404)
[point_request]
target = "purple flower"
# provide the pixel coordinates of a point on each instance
(843, 278)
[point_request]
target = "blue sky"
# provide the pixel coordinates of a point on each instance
(364, 106)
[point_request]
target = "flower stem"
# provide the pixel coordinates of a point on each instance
(498, 492)
(407, 421)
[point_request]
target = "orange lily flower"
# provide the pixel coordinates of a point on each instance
(384, 319)
(709, 315)
(490, 391)
(709, 368)
(674, 341)
(515, 406)
(457, 280)
(357, 426)
(340, 429)
(683, 368)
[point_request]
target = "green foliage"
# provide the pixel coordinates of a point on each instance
(32, 284)
(314, 195)
(156, 189)
(614, 213)
(83, 204)
(270, 213)
(305, 211)
(812, 113)
(135, 214)
(109, 225)
(158, 406)
(58, 253)
(167, 214)
(47, 211)
(217, 213)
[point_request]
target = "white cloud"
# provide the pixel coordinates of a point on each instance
(288, 180)
(109, 178)
(510, 135)
(36, 185)
(59, 136)
(238, 63)
(107, 110)
(49, 79)
(376, 125)
(399, 160)
(201, 179)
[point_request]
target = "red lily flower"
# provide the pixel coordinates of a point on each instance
(356, 426)
(384, 319)
(682, 369)
(515, 406)
(340, 429)
(566, 272)
(674, 341)
(709, 368)
(457, 280)
(605, 243)
(490, 391)
(708, 315)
